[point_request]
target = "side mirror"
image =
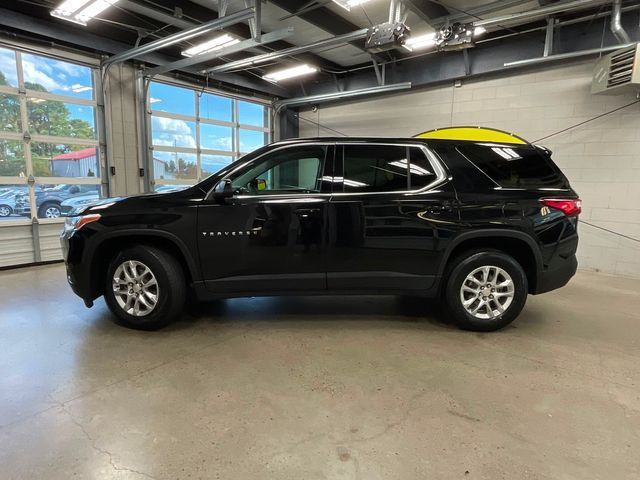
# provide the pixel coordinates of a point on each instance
(223, 190)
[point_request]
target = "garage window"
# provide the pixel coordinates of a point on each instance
(196, 133)
(49, 145)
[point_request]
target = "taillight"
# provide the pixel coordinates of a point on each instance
(570, 206)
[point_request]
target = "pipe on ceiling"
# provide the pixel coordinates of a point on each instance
(216, 24)
(565, 56)
(267, 57)
(538, 12)
(616, 25)
(328, 97)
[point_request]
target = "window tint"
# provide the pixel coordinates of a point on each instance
(515, 167)
(294, 170)
(382, 168)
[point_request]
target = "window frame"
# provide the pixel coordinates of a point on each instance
(26, 137)
(198, 119)
(438, 168)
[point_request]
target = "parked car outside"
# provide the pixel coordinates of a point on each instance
(7, 203)
(49, 200)
(478, 219)
(68, 205)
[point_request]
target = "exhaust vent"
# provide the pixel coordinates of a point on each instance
(618, 71)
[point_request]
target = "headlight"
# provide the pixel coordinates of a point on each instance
(76, 223)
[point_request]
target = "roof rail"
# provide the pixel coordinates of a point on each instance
(472, 134)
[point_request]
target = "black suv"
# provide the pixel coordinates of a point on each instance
(481, 224)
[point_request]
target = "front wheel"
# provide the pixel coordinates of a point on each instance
(145, 288)
(485, 290)
(5, 211)
(50, 210)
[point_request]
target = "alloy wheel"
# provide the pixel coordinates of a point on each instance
(135, 288)
(487, 292)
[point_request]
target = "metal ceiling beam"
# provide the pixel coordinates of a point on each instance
(476, 13)
(207, 57)
(213, 25)
(427, 9)
(260, 59)
(155, 14)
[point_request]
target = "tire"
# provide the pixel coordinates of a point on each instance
(493, 309)
(5, 210)
(170, 289)
(49, 210)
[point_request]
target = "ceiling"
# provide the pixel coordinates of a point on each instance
(311, 21)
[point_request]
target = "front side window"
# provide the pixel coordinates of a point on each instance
(385, 168)
(293, 170)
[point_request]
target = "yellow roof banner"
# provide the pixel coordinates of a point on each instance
(472, 134)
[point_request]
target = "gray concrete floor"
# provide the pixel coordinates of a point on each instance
(315, 388)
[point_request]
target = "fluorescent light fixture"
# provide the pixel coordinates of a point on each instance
(421, 41)
(415, 169)
(290, 73)
(217, 43)
(506, 153)
(479, 30)
(81, 11)
(347, 4)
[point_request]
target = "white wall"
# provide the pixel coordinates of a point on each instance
(601, 159)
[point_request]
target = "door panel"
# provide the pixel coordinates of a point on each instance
(387, 241)
(271, 235)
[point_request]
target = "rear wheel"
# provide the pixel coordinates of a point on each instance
(145, 288)
(5, 211)
(485, 290)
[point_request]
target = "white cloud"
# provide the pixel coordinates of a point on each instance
(37, 74)
(8, 66)
(170, 132)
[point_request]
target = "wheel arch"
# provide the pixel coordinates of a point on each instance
(103, 252)
(517, 244)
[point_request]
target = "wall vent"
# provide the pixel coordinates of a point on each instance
(618, 72)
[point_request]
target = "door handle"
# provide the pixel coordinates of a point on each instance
(307, 212)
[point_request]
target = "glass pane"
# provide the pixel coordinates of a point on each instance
(173, 165)
(48, 75)
(251, 139)
(213, 163)
(169, 132)
(169, 188)
(252, 114)
(167, 98)
(421, 170)
(216, 107)
(50, 117)
(297, 170)
(54, 201)
(8, 71)
(12, 159)
(215, 137)
(63, 160)
(8, 194)
(375, 168)
(10, 113)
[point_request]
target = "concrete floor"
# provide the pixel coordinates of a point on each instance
(315, 388)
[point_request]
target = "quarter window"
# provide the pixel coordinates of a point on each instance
(385, 168)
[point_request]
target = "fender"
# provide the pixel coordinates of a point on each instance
(489, 233)
(191, 264)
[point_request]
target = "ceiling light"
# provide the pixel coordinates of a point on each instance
(212, 45)
(421, 41)
(81, 11)
(479, 30)
(290, 73)
(347, 4)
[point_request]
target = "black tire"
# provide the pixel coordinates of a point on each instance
(42, 211)
(172, 288)
(465, 264)
(5, 211)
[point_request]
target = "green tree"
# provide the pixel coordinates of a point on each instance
(48, 117)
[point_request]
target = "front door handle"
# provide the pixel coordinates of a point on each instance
(307, 212)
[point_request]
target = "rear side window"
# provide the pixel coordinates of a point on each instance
(385, 168)
(515, 167)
